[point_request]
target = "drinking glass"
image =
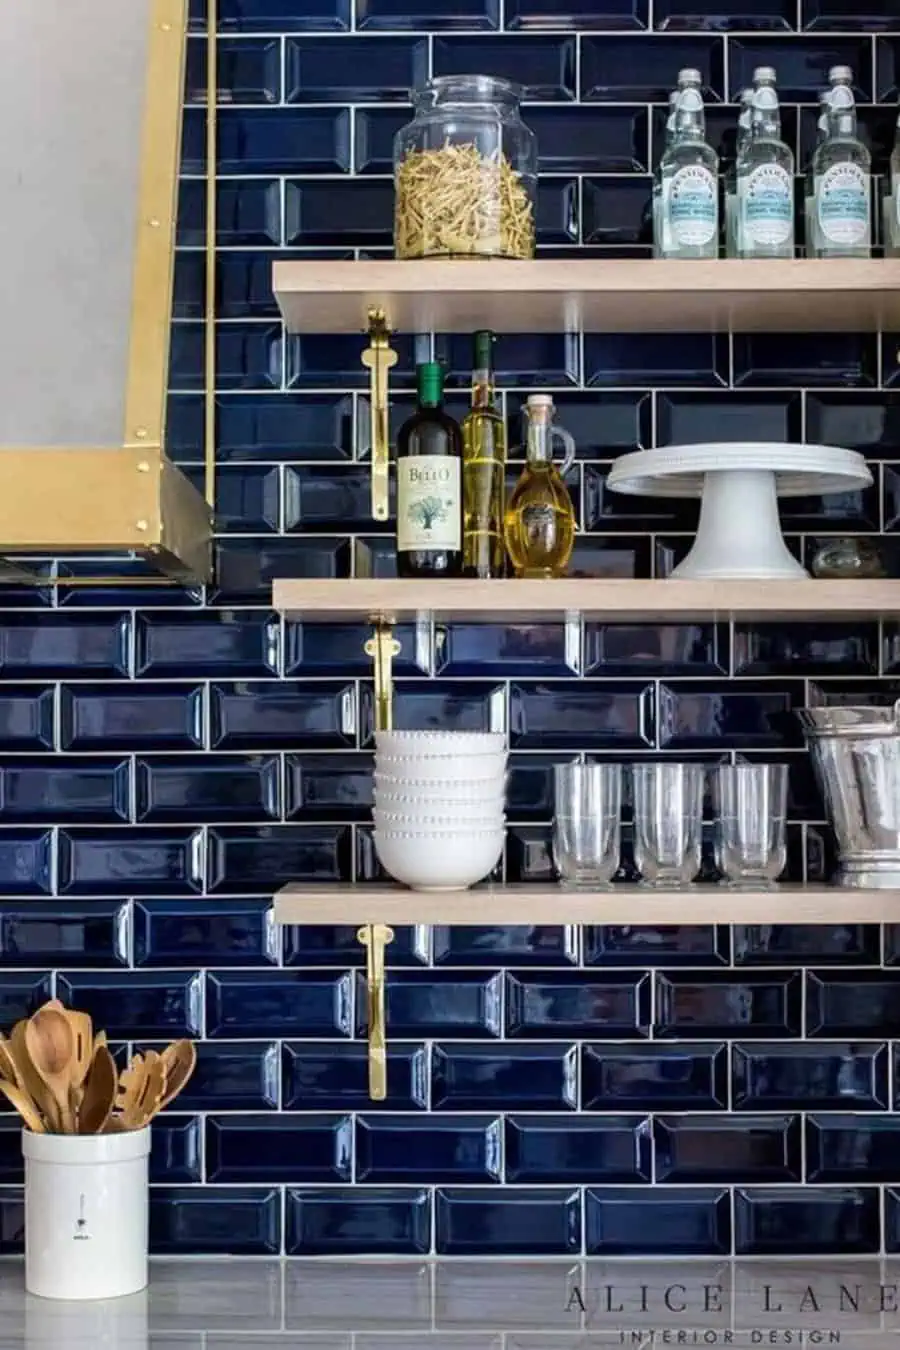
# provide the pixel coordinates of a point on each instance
(586, 824)
(668, 822)
(750, 802)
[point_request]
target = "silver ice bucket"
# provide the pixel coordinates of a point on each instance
(856, 755)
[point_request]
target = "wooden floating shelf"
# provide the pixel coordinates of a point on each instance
(630, 905)
(405, 601)
(619, 296)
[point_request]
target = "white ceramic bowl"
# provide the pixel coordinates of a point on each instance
(403, 743)
(442, 860)
(479, 769)
(482, 792)
(436, 807)
(428, 817)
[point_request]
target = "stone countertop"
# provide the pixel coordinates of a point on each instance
(238, 1304)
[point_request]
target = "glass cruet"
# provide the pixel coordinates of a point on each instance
(539, 524)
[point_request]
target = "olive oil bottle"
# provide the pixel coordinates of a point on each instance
(484, 471)
(540, 518)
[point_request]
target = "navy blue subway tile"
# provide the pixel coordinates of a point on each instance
(498, 652)
(248, 70)
(224, 788)
(811, 1221)
(685, 418)
(198, 932)
(528, 854)
(776, 649)
(603, 15)
(65, 646)
(838, 359)
(334, 1076)
(21, 994)
(12, 1164)
(519, 359)
(649, 1077)
(26, 718)
(664, 1222)
(842, 16)
(689, 16)
(616, 210)
(339, 945)
(887, 69)
(315, 496)
(275, 140)
(241, 1004)
(137, 1004)
(273, 427)
(532, 1222)
(275, 16)
(421, 15)
(246, 568)
(57, 932)
(892, 1221)
(640, 69)
(341, 1221)
(806, 944)
(853, 1003)
(144, 861)
(12, 1221)
(574, 1004)
(591, 140)
(655, 946)
(514, 1077)
(676, 649)
(32, 791)
(233, 1076)
(728, 1148)
(718, 1004)
(158, 717)
(803, 63)
(331, 360)
(521, 945)
(435, 1149)
(215, 1221)
(247, 499)
(605, 510)
(26, 862)
(424, 705)
(420, 1004)
(279, 1148)
(249, 214)
(834, 1076)
(651, 359)
(852, 1148)
(361, 70)
(246, 860)
(550, 716)
(238, 644)
(545, 66)
(249, 355)
(287, 715)
(176, 1149)
(698, 716)
(613, 1149)
(604, 424)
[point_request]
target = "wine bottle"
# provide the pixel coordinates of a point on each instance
(429, 484)
(484, 471)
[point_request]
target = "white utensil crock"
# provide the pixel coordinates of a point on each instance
(86, 1214)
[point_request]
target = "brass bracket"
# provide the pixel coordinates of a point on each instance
(383, 647)
(379, 357)
(375, 937)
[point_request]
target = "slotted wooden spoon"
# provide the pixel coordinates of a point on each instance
(143, 1082)
(179, 1061)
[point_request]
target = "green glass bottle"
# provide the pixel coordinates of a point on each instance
(429, 484)
(484, 471)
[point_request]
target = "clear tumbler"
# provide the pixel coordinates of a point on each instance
(586, 825)
(668, 822)
(750, 803)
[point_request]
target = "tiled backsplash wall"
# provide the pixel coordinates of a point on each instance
(174, 757)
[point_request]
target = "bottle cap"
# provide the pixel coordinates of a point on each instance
(838, 73)
(539, 401)
(482, 344)
(689, 76)
(430, 382)
(764, 75)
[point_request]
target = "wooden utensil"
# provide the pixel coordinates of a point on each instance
(179, 1061)
(99, 1092)
(144, 1080)
(8, 1068)
(51, 1045)
(30, 1080)
(83, 1039)
(24, 1105)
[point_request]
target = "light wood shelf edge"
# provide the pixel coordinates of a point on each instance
(396, 600)
(624, 905)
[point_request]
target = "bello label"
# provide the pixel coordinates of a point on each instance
(428, 503)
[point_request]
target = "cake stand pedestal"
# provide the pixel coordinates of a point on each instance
(739, 535)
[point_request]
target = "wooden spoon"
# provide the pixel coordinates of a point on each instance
(24, 1105)
(51, 1045)
(83, 1037)
(179, 1061)
(99, 1092)
(30, 1080)
(144, 1081)
(8, 1067)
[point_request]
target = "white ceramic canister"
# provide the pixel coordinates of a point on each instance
(86, 1214)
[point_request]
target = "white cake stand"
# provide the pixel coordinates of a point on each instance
(739, 535)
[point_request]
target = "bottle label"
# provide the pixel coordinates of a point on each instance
(766, 206)
(693, 203)
(843, 205)
(428, 503)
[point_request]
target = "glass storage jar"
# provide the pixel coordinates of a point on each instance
(465, 172)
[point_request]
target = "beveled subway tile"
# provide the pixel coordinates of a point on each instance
(244, 859)
(189, 932)
(546, 66)
(834, 1076)
(653, 1077)
(333, 1075)
(437, 1003)
(473, 1077)
(682, 649)
(287, 715)
(852, 1148)
(807, 944)
(97, 862)
(339, 945)
(583, 15)
(807, 1220)
(342, 1221)
(519, 945)
(501, 652)
(416, 1149)
(852, 1003)
(282, 15)
(603, 424)
(808, 649)
(803, 63)
(275, 140)
(806, 360)
(242, 1004)
(609, 1149)
(842, 16)
(328, 787)
(568, 1004)
(694, 715)
(550, 716)
(227, 788)
(56, 932)
(233, 1076)
(176, 1150)
(718, 1003)
(688, 16)
(26, 717)
(279, 1148)
(652, 359)
(545, 1221)
(658, 945)
(422, 15)
(616, 210)
(248, 70)
(308, 427)
(137, 1004)
(246, 568)
(355, 70)
(640, 69)
(664, 1222)
(215, 1221)
(728, 1148)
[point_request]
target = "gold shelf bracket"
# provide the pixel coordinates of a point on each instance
(382, 646)
(375, 937)
(379, 357)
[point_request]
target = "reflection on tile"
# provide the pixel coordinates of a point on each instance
(728, 1148)
(644, 945)
(55, 932)
(654, 1077)
(534, 945)
(810, 359)
(418, 1004)
(842, 16)
(214, 1221)
(569, 1004)
(807, 1221)
(138, 1004)
(676, 16)
(612, 15)
(344, 1222)
(513, 649)
(697, 716)
(192, 932)
(852, 1003)
(413, 1149)
(851, 1148)
(248, 70)
(683, 419)
(808, 649)
(684, 1222)
(807, 944)
(274, 140)
(803, 64)
(683, 649)
(514, 1077)
(555, 717)
(242, 1004)
(653, 358)
(282, 15)
(719, 1004)
(838, 1076)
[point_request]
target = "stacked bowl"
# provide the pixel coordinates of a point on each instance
(439, 806)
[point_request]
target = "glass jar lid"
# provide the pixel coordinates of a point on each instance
(444, 89)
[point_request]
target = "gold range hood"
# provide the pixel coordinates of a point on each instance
(91, 96)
